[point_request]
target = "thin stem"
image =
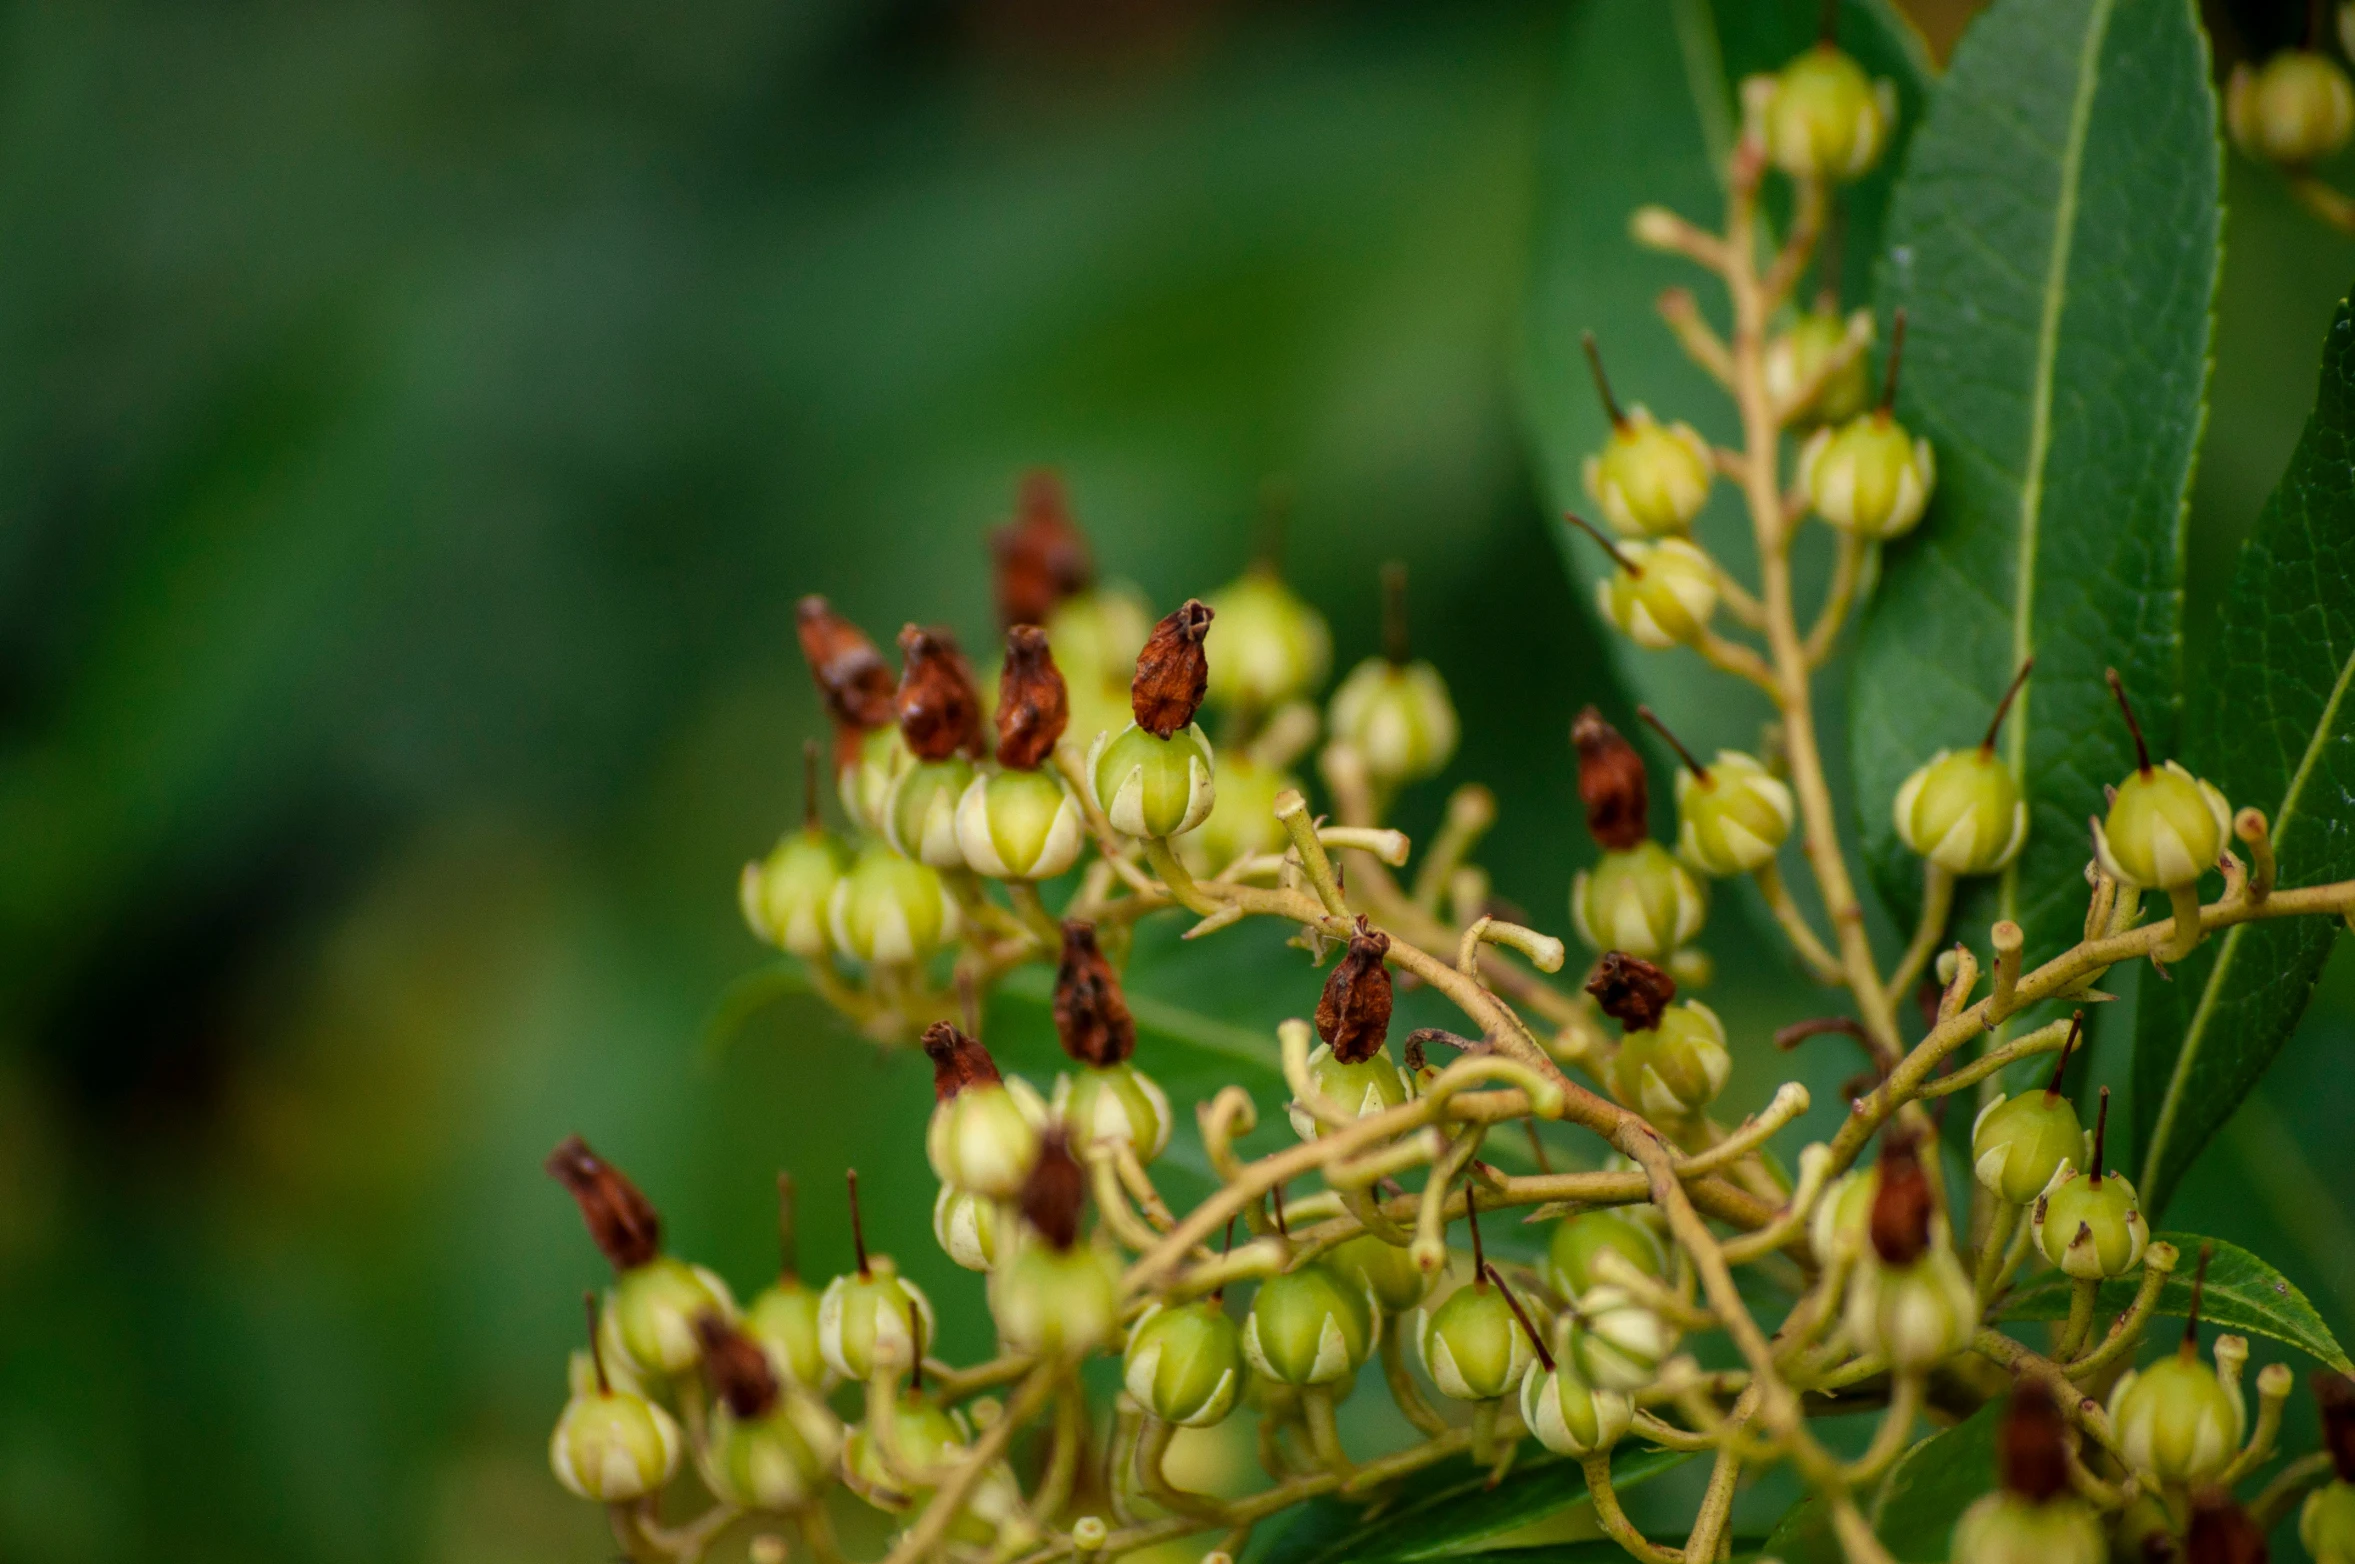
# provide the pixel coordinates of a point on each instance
(2002, 1222)
(2084, 1293)
(1614, 1520)
(2003, 707)
(1813, 954)
(2142, 751)
(1594, 362)
(1937, 907)
(1634, 570)
(1652, 720)
(1847, 571)
(596, 1346)
(1536, 1338)
(858, 1230)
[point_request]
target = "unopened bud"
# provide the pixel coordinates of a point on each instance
(920, 811)
(1868, 476)
(1579, 1241)
(1919, 1312)
(1056, 1302)
(1732, 818)
(966, 1226)
(1019, 825)
(1308, 1327)
(1097, 636)
(2089, 1223)
(983, 1136)
(1650, 478)
(1184, 1362)
(1153, 787)
(1615, 1341)
(1398, 718)
(784, 896)
(1797, 355)
(1568, 1415)
(2177, 1420)
(783, 1319)
(1474, 1345)
(1821, 117)
(615, 1447)
(1675, 1069)
(1963, 811)
(1666, 599)
(1392, 1281)
(2295, 109)
(2165, 829)
(889, 910)
(2003, 1528)
(2326, 1523)
(1267, 646)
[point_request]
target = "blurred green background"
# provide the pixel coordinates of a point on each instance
(417, 422)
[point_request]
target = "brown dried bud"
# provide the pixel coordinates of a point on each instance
(852, 676)
(1631, 990)
(1033, 706)
(1353, 1013)
(1901, 1206)
(1041, 556)
(1090, 1015)
(620, 1219)
(2334, 1397)
(1055, 1191)
(939, 710)
(1172, 673)
(737, 1369)
(2031, 1450)
(2221, 1531)
(1610, 783)
(958, 1061)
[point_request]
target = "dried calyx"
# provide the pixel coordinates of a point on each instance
(1610, 783)
(1353, 1013)
(1054, 1192)
(958, 1062)
(1033, 706)
(852, 676)
(2052, 1088)
(2334, 1397)
(1173, 675)
(2003, 707)
(1594, 362)
(1091, 1017)
(2032, 1451)
(621, 1220)
(1631, 991)
(1901, 1205)
(939, 710)
(1041, 555)
(858, 1227)
(2101, 1135)
(2221, 1532)
(2142, 751)
(737, 1369)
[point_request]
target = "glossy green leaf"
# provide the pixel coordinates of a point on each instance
(2273, 728)
(2054, 243)
(1449, 1509)
(2243, 1293)
(1916, 1506)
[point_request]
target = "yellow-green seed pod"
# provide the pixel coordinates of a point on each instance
(1116, 1103)
(1184, 1362)
(1615, 1342)
(1675, 1069)
(868, 1319)
(1242, 823)
(1265, 646)
(1821, 117)
(984, 1137)
(2020, 1144)
(1669, 601)
(1053, 1302)
(2295, 109)
(1963, 811)
(1734, 817)
(920, 811)
(1019, 825)
(1366, 1087)
(2091, 1227)
(614, 1447)
(967, 1227)
(1096, 636)
(785, 895)
(889, 910)
(1392, 1282)
(1150, 786)
(1919, 1314)
(653, 1312)
(1579, 1240)
(782, 1320)
(1399, 719)
(2165, 829)
(1650, 478)
(1797, 355)
(1868, 476)
(2326, 1523)
(2007, 1528)
(1473, 1345)
(780, 1461)
(2178, 1419)
(1568, 1415)
(1641, 901)
(866, 782)
(1308, 1327)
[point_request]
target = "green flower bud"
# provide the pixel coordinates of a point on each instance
(2090, 1227)
(1387, 1274)
(864, 1320)
(1184, 1362)
(1398, 717)
(1677, 1068)
(1615, 1342)
(967, 1227)
(890, 910)
(1308, 1327)
(1963, 811)
(783, 1321)
(1578, 1240)
(781, 1460)
(654, 1309)
(866, 782)
(1057, 1302)
(1868, 476)
(2165, 829)
(2020, 1144)
(1096, 636)
(1019, 825)
(784, 895)
(1649, 477)
(1117, 1103)
(1242, 823)
(984, 1137)
(2326, 1524)
(925, 1441)
(1732, 817)
(1149, 786)
(1367, 1087)
(2177, 1419)
(1798, 355)
(2295, 109)
(614, 1447)
(1473, 1345)
(1669, 603)
(1641, 901)
(920, 811)
(1918, 1314)
(1843, 1214)
(2006, 1528)
(1266, 646)
(1569, 1416)
(1821, 117)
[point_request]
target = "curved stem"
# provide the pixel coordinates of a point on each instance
(1937, 907)
(2084, 1293)
(1614, 1520)
(1813, 954)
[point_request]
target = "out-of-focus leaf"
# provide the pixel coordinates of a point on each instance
(2273, 728)
(2242, 1292)
(1449, 1510)
(1917, 1505)
(2054, 243)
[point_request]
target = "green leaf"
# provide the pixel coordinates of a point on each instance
(2243, 1293)
(2273, 728)
(1917, 1505)
(1448, 1510)
(1646, 115)
(2054, 243)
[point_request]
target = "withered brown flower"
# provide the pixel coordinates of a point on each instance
(1353, 1013)
(738, 1371)
(1901, 1204)
(2221, 1532)
(1041, 555)
(1091, 1017)
(1172, 673)
(852, 677)
(2334, 1397)
(1055, 1191)
(958, 1061)
(939, 709)
(1033, 706)
(620, 1219)
(1610, 783)
(2031, 1450)
(1630, 990)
